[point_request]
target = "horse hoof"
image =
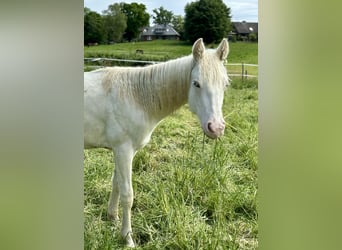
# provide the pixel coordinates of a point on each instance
(129, 240)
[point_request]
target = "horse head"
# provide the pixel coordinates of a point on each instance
(208, 80)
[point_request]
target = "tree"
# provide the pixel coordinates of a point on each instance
(178, 25)
(115, 22)
(94, 31)
(162, 16)
(137, 18)
(209, 19)
(86, 10)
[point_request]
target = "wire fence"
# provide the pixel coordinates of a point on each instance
(243, 70)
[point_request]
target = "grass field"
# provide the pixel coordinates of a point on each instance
(190, 192)
(240, 52)
(162, 50)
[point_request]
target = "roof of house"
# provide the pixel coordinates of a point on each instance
(160, 30)
(245, 27)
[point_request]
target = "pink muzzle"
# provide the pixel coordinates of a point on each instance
(214, 128)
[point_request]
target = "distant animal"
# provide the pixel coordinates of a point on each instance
(123, 105)
(139, 51)
(92, 44)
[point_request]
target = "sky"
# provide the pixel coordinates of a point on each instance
(240, 10)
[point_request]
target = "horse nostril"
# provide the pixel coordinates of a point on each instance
(209, 127)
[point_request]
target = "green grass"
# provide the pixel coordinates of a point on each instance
(163, 50)
(190, 192)
(153, 50)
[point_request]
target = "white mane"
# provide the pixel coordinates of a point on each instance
(150, 86)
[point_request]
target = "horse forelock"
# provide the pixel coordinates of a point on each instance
(213, 69)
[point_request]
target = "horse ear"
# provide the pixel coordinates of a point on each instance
(223, 49)
(198, 49)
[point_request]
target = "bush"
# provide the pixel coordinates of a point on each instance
(253, 37)
(232, 38)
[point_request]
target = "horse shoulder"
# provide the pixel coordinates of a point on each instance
(95, 106)
(112, 115)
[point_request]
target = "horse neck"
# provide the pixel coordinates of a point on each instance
(167, 86)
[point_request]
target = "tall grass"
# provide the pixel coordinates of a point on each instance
(190, 192)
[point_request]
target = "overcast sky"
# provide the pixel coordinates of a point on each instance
(241, 10)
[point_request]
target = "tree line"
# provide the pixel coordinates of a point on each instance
(209, 19)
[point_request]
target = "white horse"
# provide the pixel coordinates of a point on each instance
(123, 105)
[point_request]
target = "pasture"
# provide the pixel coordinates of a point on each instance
(190, 192)
(240, 52)
(162, 50)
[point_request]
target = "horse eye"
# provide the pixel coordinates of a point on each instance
(196, 84)
(227, 83)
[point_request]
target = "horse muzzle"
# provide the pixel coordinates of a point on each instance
(214, 128)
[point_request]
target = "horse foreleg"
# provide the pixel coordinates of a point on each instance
(113, 206)
(123, 165)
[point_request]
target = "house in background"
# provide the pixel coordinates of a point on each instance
(159, 31)
(244, 31)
